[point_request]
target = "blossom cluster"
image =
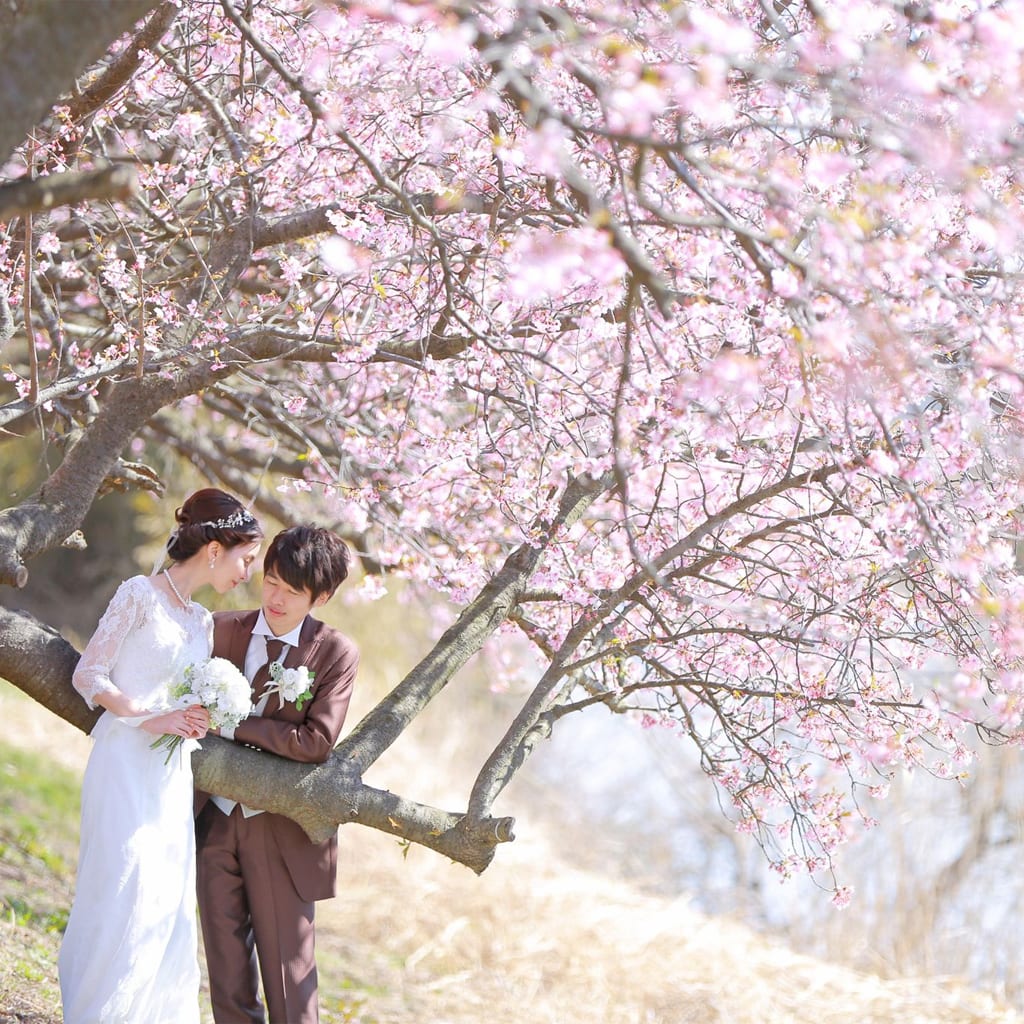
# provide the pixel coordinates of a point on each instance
(754, 271)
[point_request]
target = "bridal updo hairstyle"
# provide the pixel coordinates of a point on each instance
(210, 515)
(309, 558)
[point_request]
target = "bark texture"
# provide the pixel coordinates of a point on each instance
(72, 36)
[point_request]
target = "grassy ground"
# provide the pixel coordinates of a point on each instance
(413, 939)
(38, 843)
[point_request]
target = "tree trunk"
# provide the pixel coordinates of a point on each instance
(71, 36)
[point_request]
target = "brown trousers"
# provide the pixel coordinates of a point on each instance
(249, 911)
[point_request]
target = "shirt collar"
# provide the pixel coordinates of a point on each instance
(263, 629)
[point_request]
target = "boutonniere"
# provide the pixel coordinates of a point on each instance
(292, 684)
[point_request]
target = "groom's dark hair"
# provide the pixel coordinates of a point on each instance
(309, 558)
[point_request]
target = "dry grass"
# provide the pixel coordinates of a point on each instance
(415, 939)
(533, 940)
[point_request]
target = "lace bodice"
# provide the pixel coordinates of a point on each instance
(143, 642)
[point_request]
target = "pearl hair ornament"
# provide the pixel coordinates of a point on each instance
(236, 520)
(241, 518)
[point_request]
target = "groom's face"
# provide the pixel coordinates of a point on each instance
(284, 607)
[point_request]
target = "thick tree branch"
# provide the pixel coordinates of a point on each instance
(29, 195)
(39, 661)
(320, 797)
(48, 517)
(304, 223)
(121, 70)
(6, 319)
(300, 224)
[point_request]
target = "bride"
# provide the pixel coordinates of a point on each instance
(129, 953)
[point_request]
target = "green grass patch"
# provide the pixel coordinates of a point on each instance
(33, 787)
(40, 804)
(41, 807)
(39, 819)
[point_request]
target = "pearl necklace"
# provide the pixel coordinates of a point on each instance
(170, 580)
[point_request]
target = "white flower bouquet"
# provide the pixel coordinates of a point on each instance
(294, 684)
(220, 687)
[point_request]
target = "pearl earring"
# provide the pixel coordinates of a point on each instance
(212, 562)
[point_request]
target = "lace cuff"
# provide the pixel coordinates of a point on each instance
(134, 721)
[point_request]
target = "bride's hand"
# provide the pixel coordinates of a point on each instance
(190, 723)
(199, 719)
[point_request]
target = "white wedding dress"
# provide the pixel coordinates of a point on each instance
(130, 951)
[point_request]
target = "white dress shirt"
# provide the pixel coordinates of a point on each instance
(255, 659)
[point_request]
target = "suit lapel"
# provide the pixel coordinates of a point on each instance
(240, 637)
(309, 641)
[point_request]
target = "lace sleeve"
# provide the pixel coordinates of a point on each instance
(125, 611)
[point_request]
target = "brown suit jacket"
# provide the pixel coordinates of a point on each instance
(308, 735)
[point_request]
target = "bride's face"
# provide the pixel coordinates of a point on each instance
(233, 566)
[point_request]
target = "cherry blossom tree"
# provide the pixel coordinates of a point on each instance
(677, 342)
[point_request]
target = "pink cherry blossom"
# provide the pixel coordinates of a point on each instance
(746, 280)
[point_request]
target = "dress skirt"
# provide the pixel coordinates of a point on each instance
(130, 953)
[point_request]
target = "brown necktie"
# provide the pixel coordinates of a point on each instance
(259, 681)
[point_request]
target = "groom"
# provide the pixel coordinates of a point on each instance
(258, 874)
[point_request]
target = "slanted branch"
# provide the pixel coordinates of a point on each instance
(322, 797)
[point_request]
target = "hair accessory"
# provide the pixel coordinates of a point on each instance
(238, 519)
